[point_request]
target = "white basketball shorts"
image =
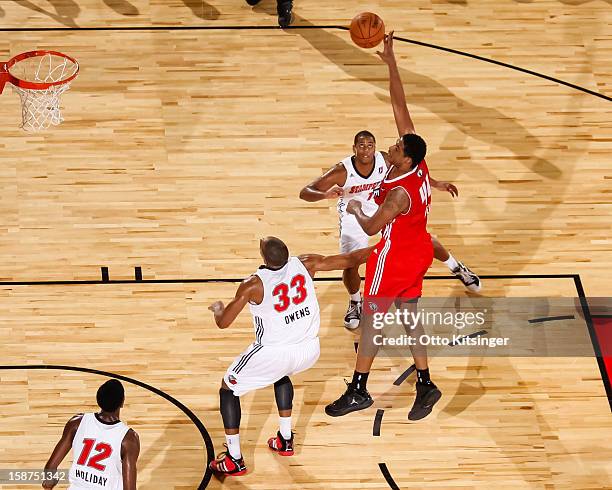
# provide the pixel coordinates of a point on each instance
(352, 236)
(263, 365)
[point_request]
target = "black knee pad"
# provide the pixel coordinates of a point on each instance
(230, 409)
(283, 392)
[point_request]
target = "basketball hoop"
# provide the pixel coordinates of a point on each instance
(40, 78)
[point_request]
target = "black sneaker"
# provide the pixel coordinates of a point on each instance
(351, 401)
(253, 2)
(283, 9)
(470, 280)
(426, 397)
(353, 315)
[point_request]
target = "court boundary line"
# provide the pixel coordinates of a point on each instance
(208, 445)
(106, 280)
(298, 27)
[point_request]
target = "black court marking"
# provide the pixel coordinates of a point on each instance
(377, 421)
(166, 28)
(506, 65)
(291, 28)
(470, 336)
(388, 477)
(402, 377)
(552, 318)
(240, 279)
(104, 271)
(138, 274)
(210, 452)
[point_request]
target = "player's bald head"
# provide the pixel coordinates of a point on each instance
(274, 252)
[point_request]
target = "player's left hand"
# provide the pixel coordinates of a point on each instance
(216, 307)
(448, 187)
(353, 206)
(387, 54)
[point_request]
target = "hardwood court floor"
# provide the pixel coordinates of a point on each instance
(181, 149)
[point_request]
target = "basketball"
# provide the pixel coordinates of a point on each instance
(367, 30)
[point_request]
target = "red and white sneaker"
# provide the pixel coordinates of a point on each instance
(280, 445)
(227, 465)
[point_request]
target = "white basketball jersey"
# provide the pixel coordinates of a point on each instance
(289, 312)
(96, 450)
(359, 186)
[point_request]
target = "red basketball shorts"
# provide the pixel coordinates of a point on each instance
(395, 273)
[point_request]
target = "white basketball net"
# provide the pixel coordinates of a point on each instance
(40, 108)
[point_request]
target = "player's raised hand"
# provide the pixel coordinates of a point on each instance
(334, 193)
(353, 207)
(387, 54)
(216, 307)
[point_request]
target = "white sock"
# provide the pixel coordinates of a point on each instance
(451, 263)
(233, 445)
(356, 296)
(285, 427)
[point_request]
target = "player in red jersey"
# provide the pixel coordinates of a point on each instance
(398, 263)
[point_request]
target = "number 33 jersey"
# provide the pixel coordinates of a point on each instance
(289, 311)
(96, 449)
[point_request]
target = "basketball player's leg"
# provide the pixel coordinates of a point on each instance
(427, 392)
(470, 280)
(230, 462)
(255, 368)
(356, 396)
(297, 358)
(283, 394)
(351, 239)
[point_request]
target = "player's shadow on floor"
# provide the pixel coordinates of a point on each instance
(202, 9)
(470, 121)
(176, 432)
(267, 7)
(424, 91)
(122, 7)
(66, 11)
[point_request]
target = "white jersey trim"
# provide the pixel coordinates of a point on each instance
(403, 175)
(380, 263)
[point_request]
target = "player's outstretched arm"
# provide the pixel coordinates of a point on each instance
(130, 450)
(444, 186)
(61, 449)
(328, 186)
(251, 289)
(396, 202)
(315, 263)
(396, 89)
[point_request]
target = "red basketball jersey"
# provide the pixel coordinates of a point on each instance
(396, 267)
(408, 229)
